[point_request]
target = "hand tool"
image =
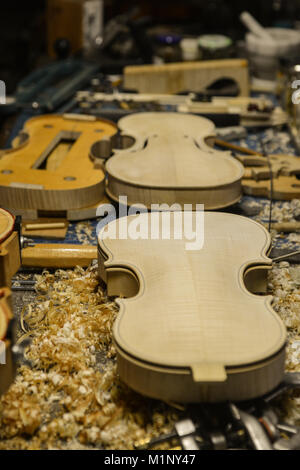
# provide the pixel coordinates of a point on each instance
(48, 87)
(255, 430)
(58, 255)
(230, 426)
(16, 249)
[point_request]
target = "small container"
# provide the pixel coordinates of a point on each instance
(189, 49)
(215, 46)
(167, 48)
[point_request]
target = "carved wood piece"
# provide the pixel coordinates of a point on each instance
(192, 76)
(192, 331)
(34, 176)
(169, 162)
(256, 181)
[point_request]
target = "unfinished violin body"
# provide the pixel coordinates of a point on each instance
(191, 330)
(51, 170)
(170, 163)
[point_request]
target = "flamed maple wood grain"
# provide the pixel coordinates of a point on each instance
(192, 331)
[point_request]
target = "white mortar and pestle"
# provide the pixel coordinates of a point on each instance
(265, 46)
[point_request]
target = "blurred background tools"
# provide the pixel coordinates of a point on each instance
(254, 426)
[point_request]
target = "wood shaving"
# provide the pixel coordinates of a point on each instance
(281, 211)
(284, 282)
(85, 232)
(72, 396)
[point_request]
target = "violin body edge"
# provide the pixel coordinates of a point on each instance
(178, 385)
(213, 198)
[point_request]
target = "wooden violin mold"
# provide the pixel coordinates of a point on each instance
(191, 331)
(9, 248)
(169, 162)
(51, 169)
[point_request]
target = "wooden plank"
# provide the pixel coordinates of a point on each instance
(58, 255)
(182, 76)
(43, 230)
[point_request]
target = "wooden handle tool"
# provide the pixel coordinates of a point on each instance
(48, 226)
(237, 148)
(58, 255)
(286, 226)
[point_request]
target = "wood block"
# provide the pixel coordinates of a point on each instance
(285, 169)
(45, 233)
(192, 76)
(10, 260)
(58, 255)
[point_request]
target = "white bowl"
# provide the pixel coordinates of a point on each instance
(286, 42)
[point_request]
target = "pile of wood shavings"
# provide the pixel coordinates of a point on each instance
(284, 282)
(288, 211)
(85, 232)
(71, 397)
(281, 211)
